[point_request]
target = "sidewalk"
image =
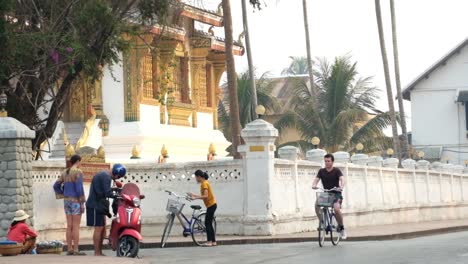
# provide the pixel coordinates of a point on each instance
(383, 232)
(52, 259)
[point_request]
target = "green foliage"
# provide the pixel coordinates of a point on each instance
(48, 44)
(264, 87)
(298, 66)
(342, 117)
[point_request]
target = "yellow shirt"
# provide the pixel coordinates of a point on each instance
(210, 201)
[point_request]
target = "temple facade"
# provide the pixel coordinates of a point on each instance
(164, 92)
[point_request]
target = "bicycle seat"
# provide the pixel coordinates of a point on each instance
(195, 207)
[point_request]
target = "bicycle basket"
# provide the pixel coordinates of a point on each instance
(325, 199)
(174, 206)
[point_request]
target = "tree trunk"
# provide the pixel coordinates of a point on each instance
(404, 145)
(232, 80)
(250, 61)
(309, 56)
(388, 84)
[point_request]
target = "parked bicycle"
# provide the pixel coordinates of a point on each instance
(194, 227)
(328, 223)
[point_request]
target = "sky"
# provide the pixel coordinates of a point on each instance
(427, 30)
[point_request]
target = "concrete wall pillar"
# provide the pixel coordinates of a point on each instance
(259, 168)
(16, 192)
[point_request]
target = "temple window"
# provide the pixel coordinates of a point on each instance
(209, 86)
(177, 80)
(148, 88)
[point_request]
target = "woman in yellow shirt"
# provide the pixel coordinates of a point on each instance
(210, 202)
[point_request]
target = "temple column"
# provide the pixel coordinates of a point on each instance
(198, 74)
(219, 67)
(166, 54)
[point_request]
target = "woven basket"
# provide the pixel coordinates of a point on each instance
(10, 250)
(58, 250)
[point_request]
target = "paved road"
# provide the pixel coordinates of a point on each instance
(449, 248)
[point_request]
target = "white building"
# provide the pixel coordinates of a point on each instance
(439, 110)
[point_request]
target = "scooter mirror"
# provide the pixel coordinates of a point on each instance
(142, 196)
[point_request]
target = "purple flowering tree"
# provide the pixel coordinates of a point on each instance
(45, 45)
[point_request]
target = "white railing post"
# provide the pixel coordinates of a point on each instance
(382, 189)
(428, 187)
(259, 166)
(415, 189)
(292, 153)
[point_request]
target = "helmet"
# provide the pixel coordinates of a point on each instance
(119, 170)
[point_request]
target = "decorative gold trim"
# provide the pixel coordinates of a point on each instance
(257, 148)
(147, 101)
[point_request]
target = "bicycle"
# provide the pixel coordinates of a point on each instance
(194, 227)
(328, 223)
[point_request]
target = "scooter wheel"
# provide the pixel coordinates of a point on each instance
(128, 246)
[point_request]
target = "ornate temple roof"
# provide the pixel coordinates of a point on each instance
(206, 16)
(219, 44)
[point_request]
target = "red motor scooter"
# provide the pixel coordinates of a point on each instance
(125, 233)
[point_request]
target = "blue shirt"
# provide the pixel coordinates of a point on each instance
(100, 188)
(70, 186)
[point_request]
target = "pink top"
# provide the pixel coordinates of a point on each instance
(20, 232)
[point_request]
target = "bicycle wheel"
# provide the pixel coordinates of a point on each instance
(198, 229)
(167, 229)
(322, 227)
(334, 237)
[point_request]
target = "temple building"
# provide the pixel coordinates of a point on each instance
(164, 92)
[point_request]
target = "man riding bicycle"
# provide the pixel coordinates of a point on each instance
(332, 178)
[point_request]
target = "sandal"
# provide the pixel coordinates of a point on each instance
(79, 253)
(70, 253)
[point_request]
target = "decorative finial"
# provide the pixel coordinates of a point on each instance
(219, 11)
(101, 153)
(3, 104)
(210, 30)
(240, 38)
(136, 151)
(164, 152)
(70, 150)
(212, 149)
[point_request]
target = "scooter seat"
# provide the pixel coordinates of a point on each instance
(195, 207)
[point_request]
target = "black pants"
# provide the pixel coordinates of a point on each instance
(210, 232)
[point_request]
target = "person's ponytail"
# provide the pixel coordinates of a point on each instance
(205, 175)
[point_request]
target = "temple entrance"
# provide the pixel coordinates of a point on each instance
(84, 94)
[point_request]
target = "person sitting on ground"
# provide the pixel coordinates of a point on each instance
(20, 232)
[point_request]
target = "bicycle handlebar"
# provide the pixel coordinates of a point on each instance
(329, 190)
(186, 197)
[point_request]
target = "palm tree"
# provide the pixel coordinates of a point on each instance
(264, 85)
(298, 66)
(396, 143)
(309, 56)
(404, 145)
(249, 58)
(231, 76)
(341, 117)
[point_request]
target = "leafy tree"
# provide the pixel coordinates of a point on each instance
(48, 44)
